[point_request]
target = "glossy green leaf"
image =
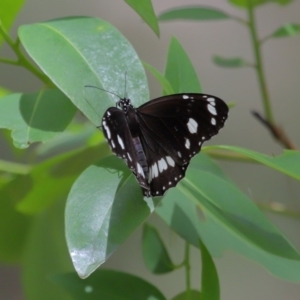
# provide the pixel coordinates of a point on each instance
(108, 285)
(289, 29)
(180, 71)
(8, 12)
(217, 238)
(190, 295)
(195, 13)
(182, 216)
(14, 226)
(223, 202)
(155, 254)
(101, 213)
(46, 253)
(244, 3)
(287, 163)
(145, 10)
(56, 176)
(237, 212)
(35, 117)
(165, 84)
(229, 62)
(87, 51)
(210, 287)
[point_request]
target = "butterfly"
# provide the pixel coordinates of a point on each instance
(158, 139)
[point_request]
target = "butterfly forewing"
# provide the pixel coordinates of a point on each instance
(184, 121)
(158, 139)
(117, 133)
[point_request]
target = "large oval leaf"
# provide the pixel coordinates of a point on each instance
(101, 213)
(87, 51)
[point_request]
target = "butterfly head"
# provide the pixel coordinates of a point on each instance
(124, 104)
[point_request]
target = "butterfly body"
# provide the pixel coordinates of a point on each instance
(158, 139)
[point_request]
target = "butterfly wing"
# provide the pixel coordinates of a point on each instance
(180, 123)
(164, 171)
(173, 129)
(120, 140)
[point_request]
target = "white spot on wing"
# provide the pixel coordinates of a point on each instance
(108, 113)
(140, 170)
(187, 143)
(106, 130)
(179, 154)
(113, 144)
(213, 121)
(211, 109)
(154, 170)
(120, 142)
(129, 156)
(185, 97)
(212, 101)
(192, 125)
(170, 161)
(162, 165)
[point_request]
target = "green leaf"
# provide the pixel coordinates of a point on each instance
(46, 253)
(8, 12)
(195, 13)
(229, 62)
(180, 71)
(101, 213)
(181, 215)
(236, 212)
(145, 10)
(14, 226)
(244, 3)
(87, 51)
(223, 202)
(286, 163)
(289, 29)
(108, 285)
(155, 254)
(210, 288)
(165, 84)
(190, 295)
(56, 176)
(35, 117)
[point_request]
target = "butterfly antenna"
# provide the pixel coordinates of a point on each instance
(95, 87)
(125, 87)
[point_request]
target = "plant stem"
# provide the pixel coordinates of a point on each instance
(15, 168)
(22, 60)
(259, 68)
(187, 269)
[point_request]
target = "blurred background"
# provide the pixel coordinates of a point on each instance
(239, 278)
